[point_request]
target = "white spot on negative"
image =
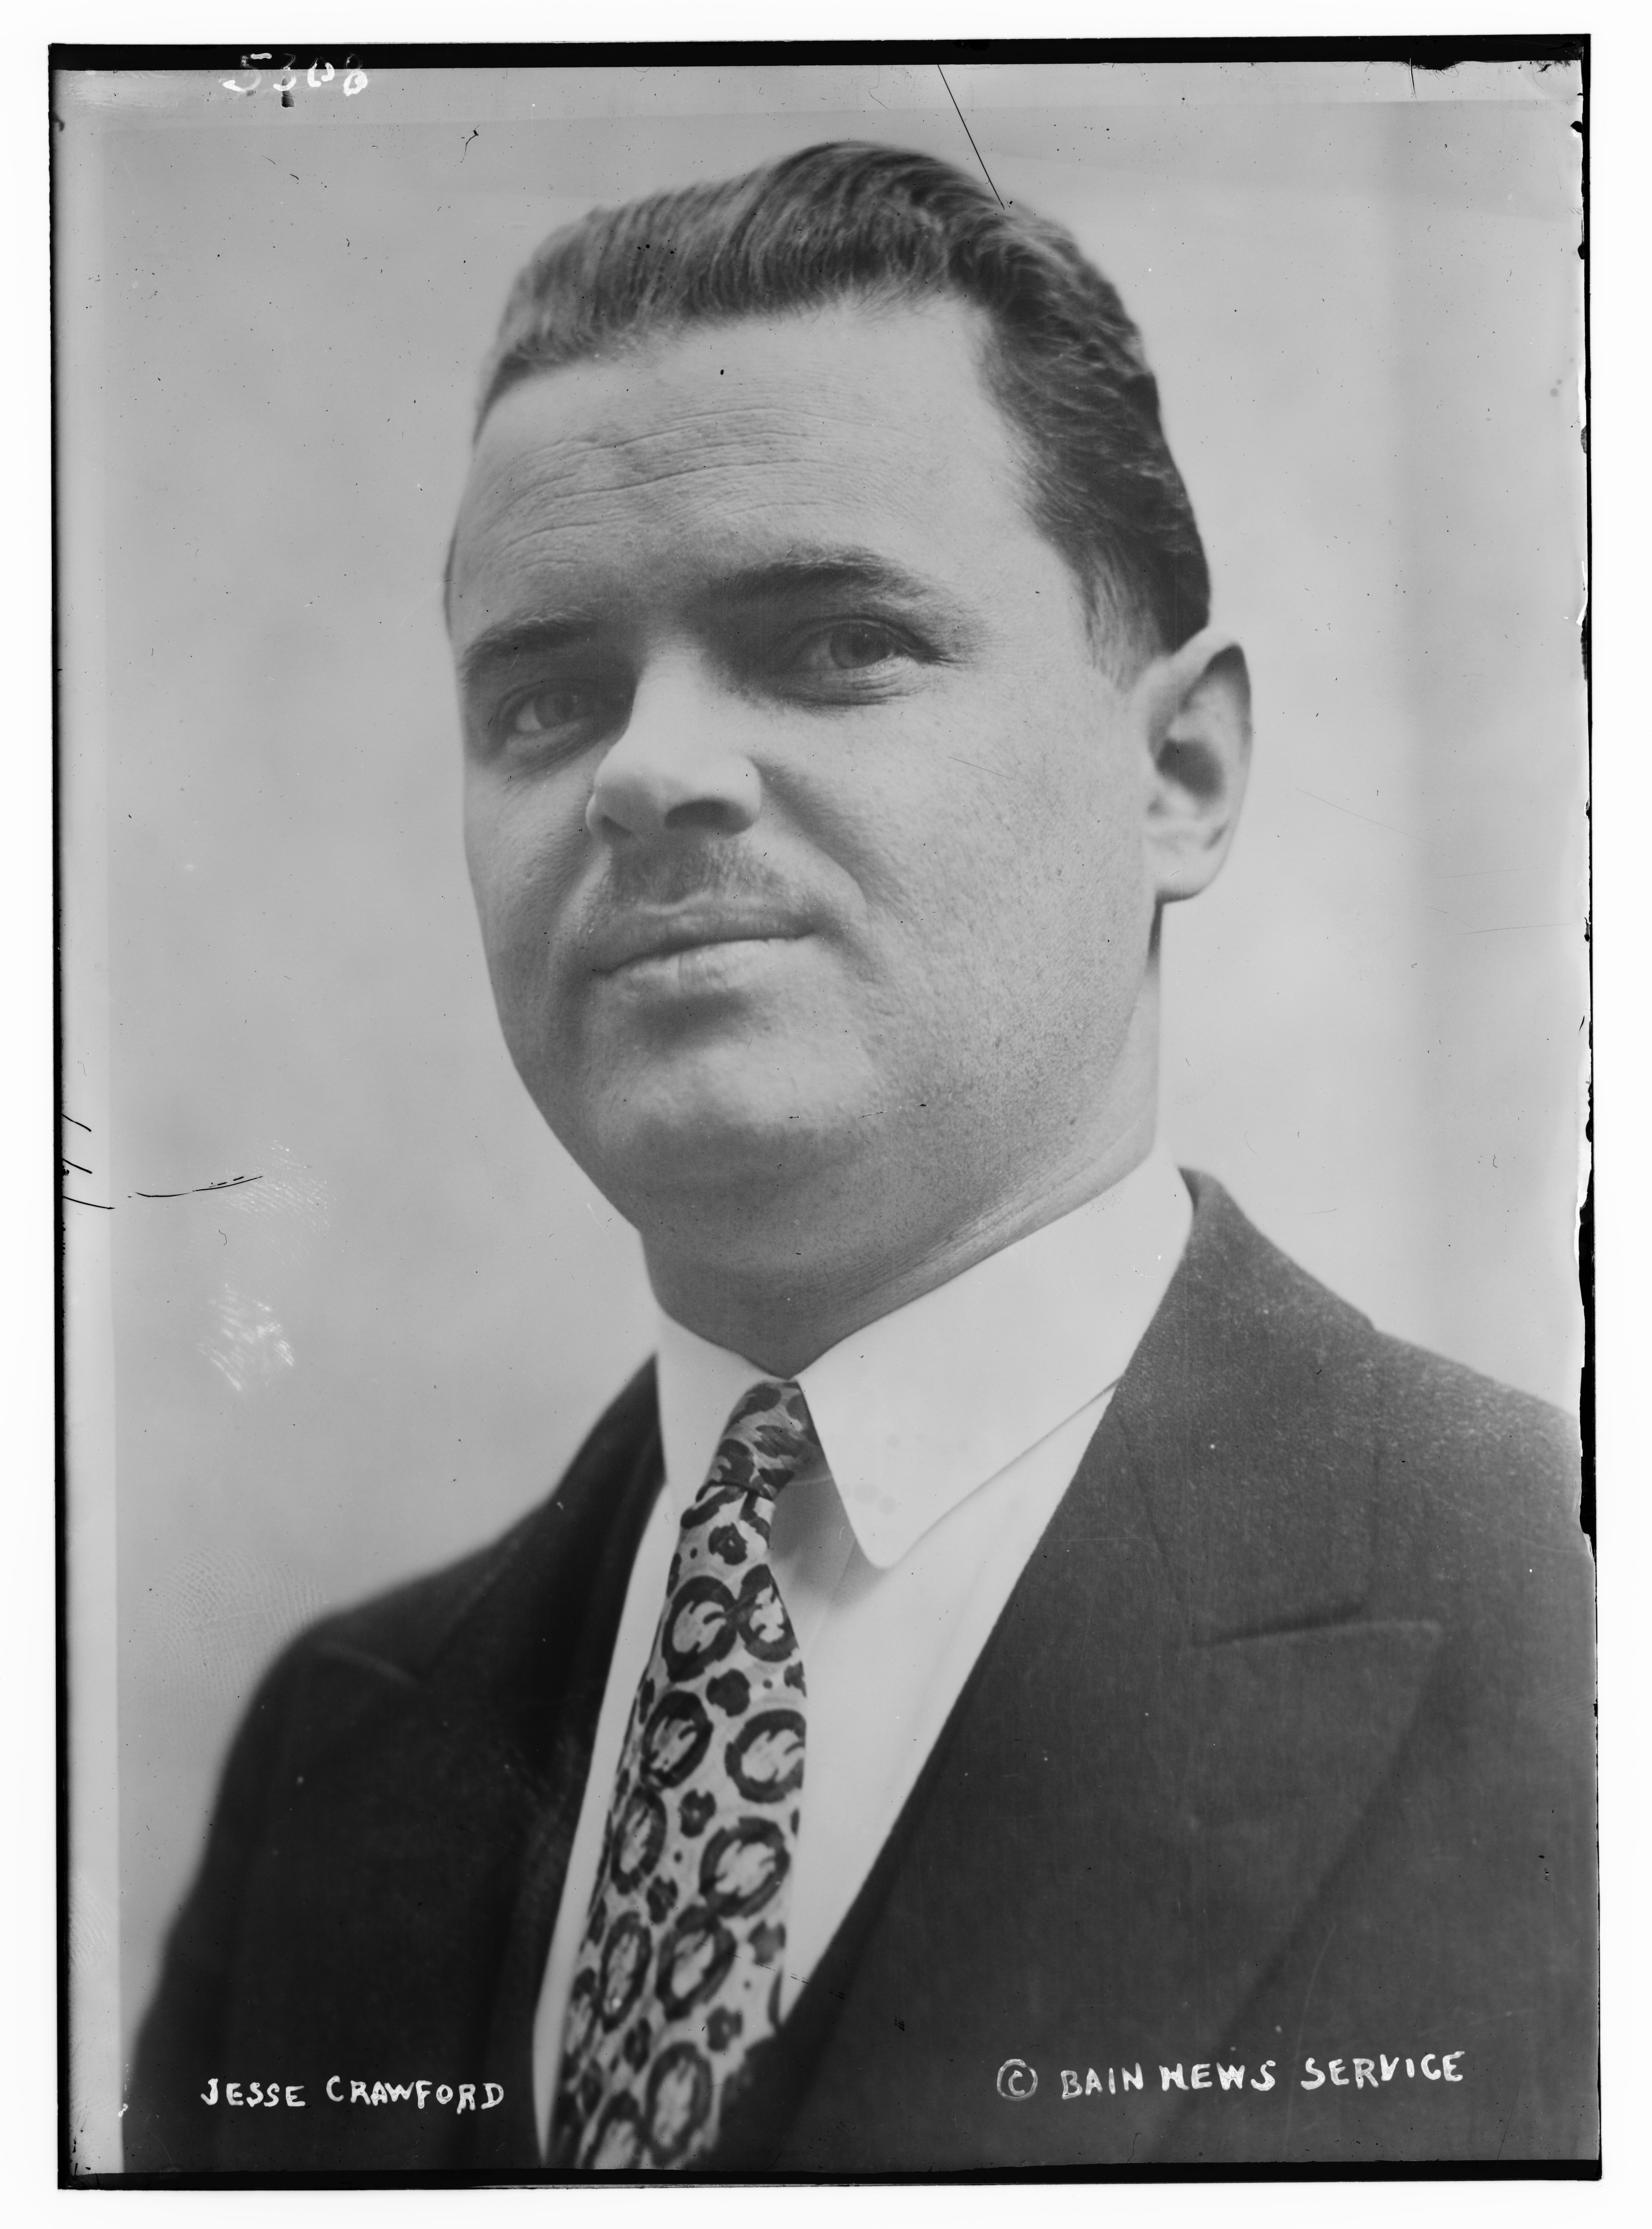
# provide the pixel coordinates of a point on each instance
(249, 1346)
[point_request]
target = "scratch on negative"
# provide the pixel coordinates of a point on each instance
(1506, 928)
(1370, 818)
(970, 136)
(1510, 2123)
(1302, 2025)
(223, 1183)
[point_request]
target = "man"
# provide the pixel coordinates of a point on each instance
(1027, 1677)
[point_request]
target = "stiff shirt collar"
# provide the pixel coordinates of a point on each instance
(916, 1411)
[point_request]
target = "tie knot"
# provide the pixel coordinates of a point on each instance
(769, 1440)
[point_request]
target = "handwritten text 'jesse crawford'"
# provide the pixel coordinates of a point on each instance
(462, 2096)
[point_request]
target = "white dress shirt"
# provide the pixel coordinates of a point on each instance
(952, 1429)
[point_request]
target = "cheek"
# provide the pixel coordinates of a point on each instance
(1034, 832)
(1020, 909)
(524, 846)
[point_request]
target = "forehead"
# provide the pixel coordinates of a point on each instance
(851, 427)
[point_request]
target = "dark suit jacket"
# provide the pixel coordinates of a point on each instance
(1283, 1749)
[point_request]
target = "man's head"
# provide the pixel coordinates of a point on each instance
(830, 746)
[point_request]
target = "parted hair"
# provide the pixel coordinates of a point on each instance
(1064, 361)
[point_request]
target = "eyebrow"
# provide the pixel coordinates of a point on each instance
(805, 573)
(811, 572)
(521, 639)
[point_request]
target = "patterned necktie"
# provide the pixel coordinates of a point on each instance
(678, 1975)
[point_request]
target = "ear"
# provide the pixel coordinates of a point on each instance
(1194, 710)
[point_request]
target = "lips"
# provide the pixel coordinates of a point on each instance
(656, 933)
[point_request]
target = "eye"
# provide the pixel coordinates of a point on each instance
(850, 646)
(553, 710)
(568, 713)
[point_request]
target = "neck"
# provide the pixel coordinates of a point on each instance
(783, 1280)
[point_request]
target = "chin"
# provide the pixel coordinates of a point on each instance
(711, 1134)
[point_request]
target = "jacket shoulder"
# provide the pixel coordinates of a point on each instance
(407, 1625)
(1479, 1511)
(1469, 1473)
(339, 1682)
(1436, 1407)
(1419, 1397)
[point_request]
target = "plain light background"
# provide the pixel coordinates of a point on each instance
(1364, 305)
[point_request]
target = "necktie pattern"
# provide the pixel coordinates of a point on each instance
(678, 1975)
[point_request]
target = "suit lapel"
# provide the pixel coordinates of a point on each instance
(616, 1512)
(1165, 1748)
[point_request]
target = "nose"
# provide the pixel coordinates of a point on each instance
(679, 767)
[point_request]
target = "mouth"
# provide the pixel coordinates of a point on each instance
(636, 938)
